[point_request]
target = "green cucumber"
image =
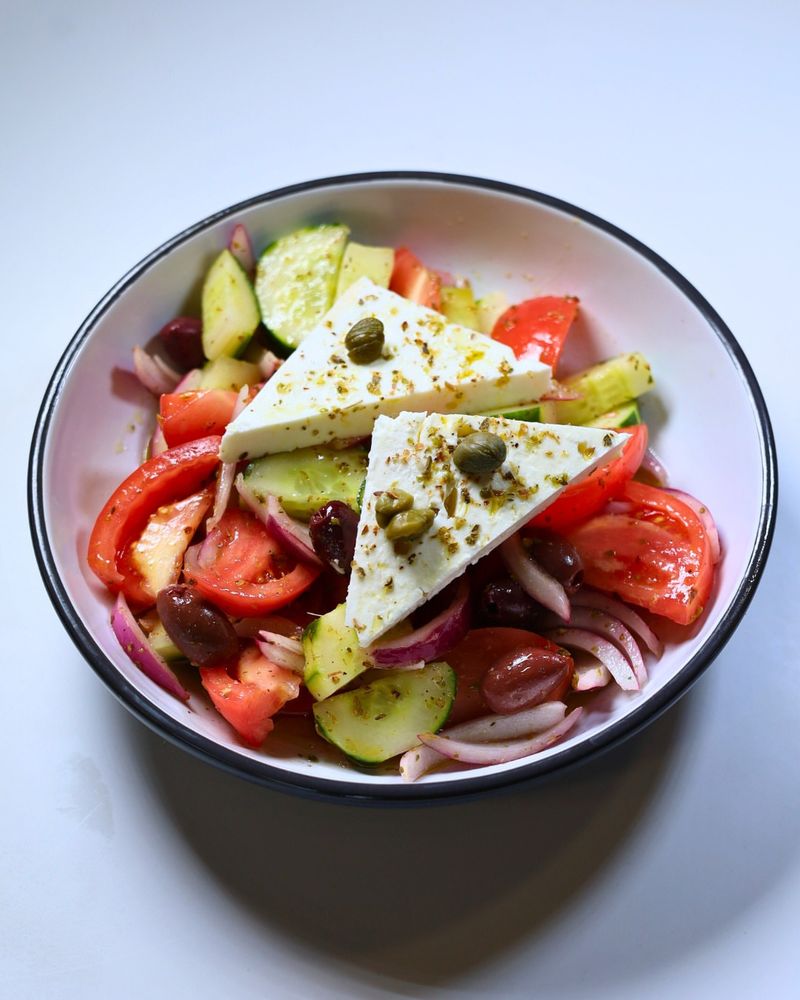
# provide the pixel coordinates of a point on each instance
(458, 306)
(305, 479)
(158, 638)
(229, 306)
(522, 411)
(359, 261)
(489, 309)
(626, 415)
(602, 387)
(333, 656)
(385, 717)
(228, 373)
(296, 280)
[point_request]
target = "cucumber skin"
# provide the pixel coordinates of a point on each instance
(627, 415)
(606, 386)
(333, 656)
(396, 745)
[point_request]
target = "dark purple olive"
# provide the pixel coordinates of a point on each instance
(557, 557)
(201, 631)
(505, 603)
(525, 677)
(333, 534)
(182, 338)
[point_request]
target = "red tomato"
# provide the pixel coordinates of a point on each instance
(473, 656)
(245, 571)
(537, 326)
(658, 555)
(249, 701)
(582, 500)
(411, 279)
(186, 416)
(168, 477)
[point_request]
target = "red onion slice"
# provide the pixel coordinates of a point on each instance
(415, 762)
(268, 364)
(227, 472)
(590, 676)
(499, 753)
(594, 599)
(153, 373)
(532, 578)
(708, 521)
(293, 535)
(606, 653)
(416, 665)
(135, 643)
(431, 640)
(653, 465)
(282, 651)
(594, 620)
(158, 443)
(241, 247)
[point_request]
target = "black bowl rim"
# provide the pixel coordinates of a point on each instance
(470, 786)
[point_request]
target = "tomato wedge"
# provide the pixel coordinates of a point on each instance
(249, 701)
(168, 477)
(473, 656)
(411, 279)
(582, 500)
(656, 555)
(537, 326)
(186, 416)
(243, 569)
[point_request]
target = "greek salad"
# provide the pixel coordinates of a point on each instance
(372, 500)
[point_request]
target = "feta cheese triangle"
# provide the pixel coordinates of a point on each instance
(413, 452)
(319, 394)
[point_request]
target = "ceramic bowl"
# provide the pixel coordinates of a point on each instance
(707, 418)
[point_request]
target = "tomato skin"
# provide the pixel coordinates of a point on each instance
(168, 477)
(582, 500)
(411, 279)
(473, 656)
(537, 326)
(657, 555)
(186, 416)
(250, 700)
(249, 573)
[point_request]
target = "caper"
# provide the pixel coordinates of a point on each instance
(364, 341)
(480, 453)
(390, 503)
(409, 524)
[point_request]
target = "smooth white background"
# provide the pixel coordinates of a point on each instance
(671, 867)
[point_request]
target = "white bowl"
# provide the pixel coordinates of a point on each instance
(707, 418)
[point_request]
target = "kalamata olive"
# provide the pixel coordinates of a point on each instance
(525, 677)
(505, 603)
(333, 534)
(201, 631)
(183, 341)
(557, 557)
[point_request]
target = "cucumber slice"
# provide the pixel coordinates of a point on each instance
(333, 657)
(626, 415)
(158, 638)
(228, 373)
(603, 387)
(375, 263)
(305, 479)
(458, 306)
(296, 280)
(230, 309)
(490, 308)
(531, 412)
(385, 717)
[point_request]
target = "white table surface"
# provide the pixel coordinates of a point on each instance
(669, 868)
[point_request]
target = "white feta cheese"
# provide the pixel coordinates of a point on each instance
(428, 364)
(474, 515)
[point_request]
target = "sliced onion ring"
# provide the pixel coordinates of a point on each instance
(293, 535)
(282, 651)
(594, 620)
(227, 472)
(153, 373)
(654, 467)
(589, 676)
(586, 598)
(499, 753)
(158, 443)
(705, 516)
(431, 640)
(608, 654)
(532, 578)
(135, 643)
(415, 762)
(241, 247)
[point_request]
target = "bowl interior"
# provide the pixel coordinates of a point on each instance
(703, 419)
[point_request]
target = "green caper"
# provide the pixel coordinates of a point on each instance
(390, 503)
(409, 524)
(364, 341)
(480, 453)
